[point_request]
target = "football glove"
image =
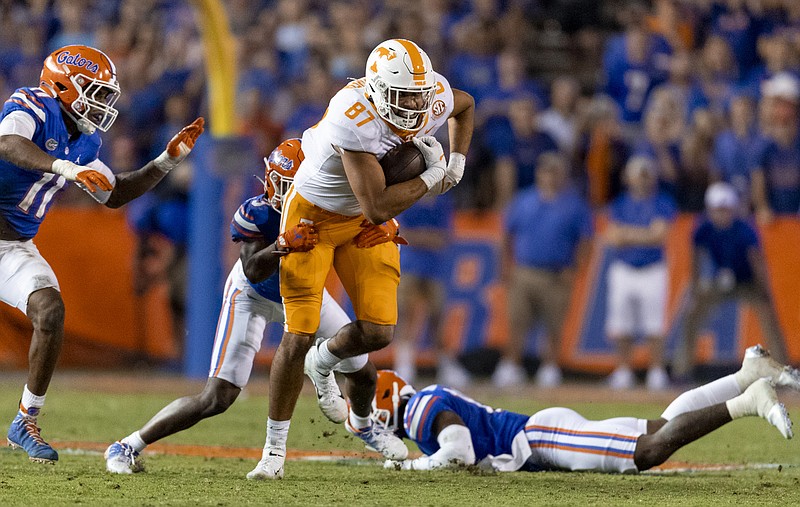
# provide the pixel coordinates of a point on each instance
(453, 174)
(179, 146)
(300, 238)
(92, 180)
(374, 235)
(433, 154)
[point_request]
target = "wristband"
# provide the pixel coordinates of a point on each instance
(432, 176)
(164, 162)
(457, 161)
(66, 169)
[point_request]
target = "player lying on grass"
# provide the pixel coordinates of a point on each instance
(453, 430)
(251, 300)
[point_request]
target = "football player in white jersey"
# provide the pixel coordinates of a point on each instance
(453, 430)
(340, 188)
(251, 301)
(50, 135)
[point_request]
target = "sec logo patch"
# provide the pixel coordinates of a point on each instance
(438, 108)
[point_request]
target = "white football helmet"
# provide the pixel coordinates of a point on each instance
(401, 83)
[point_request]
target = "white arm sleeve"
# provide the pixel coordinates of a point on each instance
(100, 196)
(18, 123)
(455, 449)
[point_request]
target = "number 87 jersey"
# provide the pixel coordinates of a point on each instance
(352, 123)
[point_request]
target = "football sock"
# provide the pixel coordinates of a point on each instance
(277, 433)
(31, 403)
(359, 422)
(325, 360)
(135, 440)
(741, 406)
(719, 391)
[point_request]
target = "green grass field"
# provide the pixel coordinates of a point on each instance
(99, 411)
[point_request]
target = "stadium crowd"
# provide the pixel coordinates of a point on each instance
(681, 81)
(705, 90)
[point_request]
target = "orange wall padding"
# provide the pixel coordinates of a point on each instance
(91, 251)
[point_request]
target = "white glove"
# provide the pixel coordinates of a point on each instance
(453, 174)
(434, 159)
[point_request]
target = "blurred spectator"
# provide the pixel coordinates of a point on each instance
(560, 119)
(294, 29)
(473, 66)
(669, 19)
(728, 264)
(513, 83)
(734, 148)
(717, 73)
(732, 21)
(603, 150)
(547, 228)
(516, 142)
(74, 25)
(421, 296)
(639, 221)
(664, 127)
(694, 168)
(681, 83)
(778, 56)
(776, 166)
(633, 63)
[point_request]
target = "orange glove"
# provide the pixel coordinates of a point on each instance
(374, 235)
(89, 178)
(300, 238)
(93, 180)
(179, 146)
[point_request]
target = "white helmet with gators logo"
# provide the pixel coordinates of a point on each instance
(398, 68)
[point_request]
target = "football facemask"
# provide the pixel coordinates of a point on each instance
(389, 391)
(280, 168)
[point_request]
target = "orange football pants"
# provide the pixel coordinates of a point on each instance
(369, 275)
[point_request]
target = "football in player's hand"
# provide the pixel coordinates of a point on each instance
(402, 163)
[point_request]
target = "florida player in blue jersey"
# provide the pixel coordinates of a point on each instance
(453, 430)
(48, 137)
(252, 299)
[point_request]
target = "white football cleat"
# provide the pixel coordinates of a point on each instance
(121, 458)
(329, 396)
(450, 373)
(657, 379)
(509, 374)
(762, 392)
(382, 441)
(758, 363)
(548, 375)
(270, 467)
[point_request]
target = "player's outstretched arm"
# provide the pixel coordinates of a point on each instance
(455, 446)
(22, 152)
(133, 184)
